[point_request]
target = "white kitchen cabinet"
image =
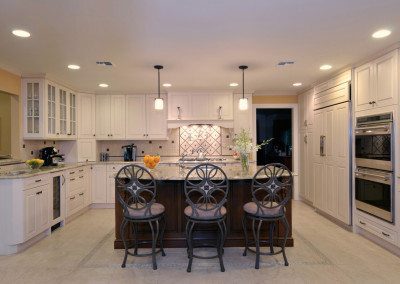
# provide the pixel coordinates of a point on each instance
(86, 150)
(306, 163)
(78, 189)
(49, 110)
(86, 116)
(179, 106)
(135, 117)
(156, 120)
(376, 83)
(242, 119)
(36, 212)
(306, 109)
(111, 171)
(110, 117)
(99, 184)
(200, 106)
(331, 161)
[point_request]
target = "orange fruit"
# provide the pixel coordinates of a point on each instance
(157, 159)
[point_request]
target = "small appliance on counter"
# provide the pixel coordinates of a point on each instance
(50, 156)
(130, 152)
(104, 157)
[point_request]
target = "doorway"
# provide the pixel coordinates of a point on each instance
(276, 123)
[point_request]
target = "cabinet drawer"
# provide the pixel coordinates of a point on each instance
(77, 172)
(75, 203)
(75, 184)
(114, 168)
(372, 227)
(36, 181)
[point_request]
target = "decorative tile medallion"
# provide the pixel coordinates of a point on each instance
(205, 138)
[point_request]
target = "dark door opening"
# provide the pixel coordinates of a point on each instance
(276, 124)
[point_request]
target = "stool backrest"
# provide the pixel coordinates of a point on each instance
(206, 189)
(135, 189)
(271, 187)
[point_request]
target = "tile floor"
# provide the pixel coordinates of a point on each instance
(82, 252)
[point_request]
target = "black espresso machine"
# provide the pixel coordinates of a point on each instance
(130, 152)
(50, 156)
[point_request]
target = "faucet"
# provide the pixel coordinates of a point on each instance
(200, 152)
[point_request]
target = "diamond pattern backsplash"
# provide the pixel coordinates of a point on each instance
(206, 138)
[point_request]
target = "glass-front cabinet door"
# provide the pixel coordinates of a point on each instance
(72, 114)
(63, 112)
(51, 110)
(32, 106)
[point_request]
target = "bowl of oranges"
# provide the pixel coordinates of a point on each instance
(34, 163)
(151, 161)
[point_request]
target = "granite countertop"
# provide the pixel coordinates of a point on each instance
(233, 172)
(25, 172)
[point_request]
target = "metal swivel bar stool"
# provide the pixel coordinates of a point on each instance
(271, 189)
(206, 189)
(136, 192)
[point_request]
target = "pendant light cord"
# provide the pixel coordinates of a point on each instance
(243, 83)
(158, 83)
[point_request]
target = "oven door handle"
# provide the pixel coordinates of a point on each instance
(373, 130)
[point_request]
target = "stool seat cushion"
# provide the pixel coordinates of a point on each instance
(204, 214)
(275, 211)
(143, 213)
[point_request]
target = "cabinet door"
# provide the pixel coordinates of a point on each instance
(72, 116)
(318, 160)
(62, 110)
(103, 117)
(309, 106)
(200, 106)
(309, 168)
(86, 117)
(30, 213)
(99, 184)
(156, 120)
(242, 118)
(220, 106)
(117, 117)
(32, 90)
(86, 150)
(302, 111)
(42, 207)
(135, 117)
(51, 110)
(110, 189)
(363, 77)
(386, 86)
(179, 106)
(303, 164)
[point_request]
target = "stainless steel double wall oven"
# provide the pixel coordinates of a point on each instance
(374, 187)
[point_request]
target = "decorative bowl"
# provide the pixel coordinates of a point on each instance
(151, 161)
(34, 163)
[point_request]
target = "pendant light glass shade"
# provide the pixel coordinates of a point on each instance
(158, 102)
(243, 102)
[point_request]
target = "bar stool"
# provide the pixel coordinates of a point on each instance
(271, 189)
(206, 189)
(136, 192)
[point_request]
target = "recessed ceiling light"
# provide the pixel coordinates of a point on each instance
(233, 84)
(297, 84)
(381, 33)
(103, 85)
(21, 33)
(74, 67)
(167, 85)
(325, 67)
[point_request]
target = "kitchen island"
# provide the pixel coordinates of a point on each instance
(170, 193)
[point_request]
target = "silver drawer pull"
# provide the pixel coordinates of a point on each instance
(71, 179)
(72, 198)
(71, 173)
(81, 177)
(38, 180)
(362, 223)
(80, 194)
(39, 192)
(386, 235)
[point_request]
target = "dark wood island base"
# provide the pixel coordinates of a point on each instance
(170, 193)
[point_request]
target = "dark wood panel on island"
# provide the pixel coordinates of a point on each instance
(170, 193)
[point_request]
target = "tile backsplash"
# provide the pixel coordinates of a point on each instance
(204, 138)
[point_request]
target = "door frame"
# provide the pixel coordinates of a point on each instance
(295, 137)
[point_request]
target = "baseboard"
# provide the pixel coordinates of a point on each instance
(77, 214)
(308, 202)
(380, 242)
(12, 249)
(334, 220)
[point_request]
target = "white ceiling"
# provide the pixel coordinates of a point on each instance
(200, 43)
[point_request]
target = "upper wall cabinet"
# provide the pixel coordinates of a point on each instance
(49, 110)
(143, 121)
(110, 117)
(200, 106)
(87, 116)
(376, 83)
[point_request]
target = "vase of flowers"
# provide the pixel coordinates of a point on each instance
(243, 146)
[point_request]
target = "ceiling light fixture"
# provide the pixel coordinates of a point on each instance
(74, 67)
(233, 84)
(298, 84)
(103, 85)
(158, 102)
(167, 85)
(381, 33)
(325, 67)
(21, 33)
(243, 102)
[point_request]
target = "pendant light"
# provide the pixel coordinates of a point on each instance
(158, 102)
(243, 102)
